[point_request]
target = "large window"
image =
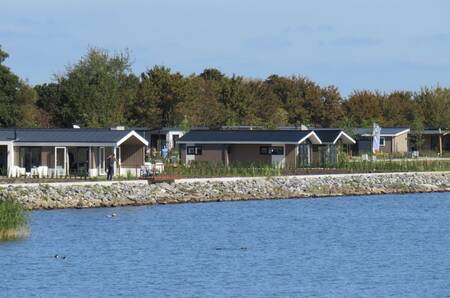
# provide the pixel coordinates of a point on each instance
(194, 150)
(277, 150)
(382, 142)
(30, 157)
(271, 150)
(264, 150)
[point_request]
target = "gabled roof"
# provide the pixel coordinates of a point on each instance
(385, 131)
(67, 135)
(249, 137)
(332, 135)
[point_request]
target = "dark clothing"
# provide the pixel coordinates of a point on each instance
(110, 161)
(110, 165)
(110, 172)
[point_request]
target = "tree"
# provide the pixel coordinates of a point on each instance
(331, 111)
(435, 106)
(399, 109)
(96, 91)
(364, 108)
(17, 99)
(159, 93)
(200, 104)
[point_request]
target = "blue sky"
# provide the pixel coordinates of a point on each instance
(353, 44)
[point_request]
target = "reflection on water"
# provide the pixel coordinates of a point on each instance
(355, 246)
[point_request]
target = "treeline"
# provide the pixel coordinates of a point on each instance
(101, 90)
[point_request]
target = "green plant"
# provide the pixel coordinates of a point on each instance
(13, 220)
(129, 175)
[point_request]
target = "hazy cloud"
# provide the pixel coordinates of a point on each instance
(355, 41)
(439, 38)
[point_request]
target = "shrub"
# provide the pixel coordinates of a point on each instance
(13, 220)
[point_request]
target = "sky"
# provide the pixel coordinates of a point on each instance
(381, 45)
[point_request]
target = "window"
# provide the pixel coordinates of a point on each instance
(30, 157)
(264, 150)
(194, 150)
(269, 150)
(175, 141)
(382, 142)
(278, 150)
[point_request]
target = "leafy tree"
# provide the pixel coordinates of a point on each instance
(95, 91)
(200, 104)
(331, 111)
(399, 109)
(159, 93)
(17, 99)
(435, 106)
(364, 108)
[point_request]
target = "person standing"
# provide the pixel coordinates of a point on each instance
(164, 152)
(110, 160)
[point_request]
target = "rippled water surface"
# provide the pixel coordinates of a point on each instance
(353, 246)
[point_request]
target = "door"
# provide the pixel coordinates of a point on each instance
(101, 161)
(304, 155)
(60, 161)
(277, 153)
(3, 160)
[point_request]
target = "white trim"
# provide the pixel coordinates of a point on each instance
(132, 134)
(315, 139)
(10, 159)
(101, 161)
(342, 133)
(312, 136)
(115, 163)
(65, 168)
(388, 134)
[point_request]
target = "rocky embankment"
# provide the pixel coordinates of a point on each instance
(67, 195)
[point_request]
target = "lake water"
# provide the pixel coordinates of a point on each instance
(374, 246)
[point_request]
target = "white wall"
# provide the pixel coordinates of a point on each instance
(169, 138)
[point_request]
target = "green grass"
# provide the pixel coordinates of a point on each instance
(13, 220)
(212, 169)
(388, 165)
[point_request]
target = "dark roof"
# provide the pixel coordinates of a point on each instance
(243, 136)
(388, 131)
(327, 135)
(62, 135)
(432, 131)
(164, 130)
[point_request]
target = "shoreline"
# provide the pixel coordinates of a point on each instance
(91, 194)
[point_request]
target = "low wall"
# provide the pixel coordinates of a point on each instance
(107, 194)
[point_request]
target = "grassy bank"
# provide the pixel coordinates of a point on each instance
(213, 169)
(393, 165)
(208, 169)
(13, 220)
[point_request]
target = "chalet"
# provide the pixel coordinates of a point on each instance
(436, 140)
(333, 141)
(392, 140)
(282, 147)
(58, 152)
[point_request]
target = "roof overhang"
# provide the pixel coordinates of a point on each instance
(345, 138)
(435, 133)
(312, 137)
(132, 134)
(82, 144)
(235, 142)
(6, 142)
(62, 144)
(407, 130)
